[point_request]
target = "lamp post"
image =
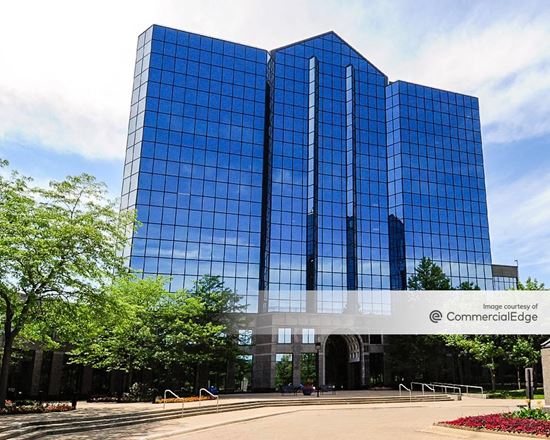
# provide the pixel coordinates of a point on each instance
(317, 369)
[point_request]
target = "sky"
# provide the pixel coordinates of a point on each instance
(66, 72)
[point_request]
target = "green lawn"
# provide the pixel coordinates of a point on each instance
(511, 394)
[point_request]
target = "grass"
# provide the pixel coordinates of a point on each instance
(511, 394)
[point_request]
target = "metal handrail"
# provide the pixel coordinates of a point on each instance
(211, 395)
(176, 396)
(432, 387)
(401, 386)
(461, 386)
(447, 387)
(423, 385)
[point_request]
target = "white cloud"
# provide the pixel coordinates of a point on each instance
(62, 123)
(519, 215)
(505, 63)
(67, 82)
(66, 75)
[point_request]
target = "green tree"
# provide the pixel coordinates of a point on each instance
(519, 351)
(283, 370)
(428, 276)
(420, 356)
(149, 328)
(467, 285)
(524, 350)
(308, 368)
(488, 350)
(197, 327)
(119, 336)
(531, 284)
(58, 246)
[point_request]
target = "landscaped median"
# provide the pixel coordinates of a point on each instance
(530, 422)
(33, 407)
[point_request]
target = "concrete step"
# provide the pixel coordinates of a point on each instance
(176, 412)
(35, 429)
(68, 417)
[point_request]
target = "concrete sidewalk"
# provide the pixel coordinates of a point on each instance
(354, 423)
(105, 409)
(396, 420)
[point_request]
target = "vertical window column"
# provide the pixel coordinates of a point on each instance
(265, 243)
(312, 171)
(351, 230)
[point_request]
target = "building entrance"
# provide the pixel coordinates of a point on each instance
(343, 362)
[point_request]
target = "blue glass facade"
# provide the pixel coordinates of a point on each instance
(437, 197)
(298, 170)
(327, 191)
(194, 161)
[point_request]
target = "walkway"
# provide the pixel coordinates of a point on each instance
(391, 421)
(387, 422)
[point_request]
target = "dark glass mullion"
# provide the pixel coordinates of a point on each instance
(351, 251)
(312, 223)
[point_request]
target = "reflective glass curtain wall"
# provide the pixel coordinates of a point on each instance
(504, 283)
(328, 191)
(194, 162)
(437, 195)
(299, 169)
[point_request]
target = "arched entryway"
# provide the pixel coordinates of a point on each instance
(343, 361)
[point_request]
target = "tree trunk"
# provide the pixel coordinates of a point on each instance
(197, 366)
(5, 370)
(493, 379)
(460, 364)
(519, 380)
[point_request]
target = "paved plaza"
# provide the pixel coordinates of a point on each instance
(391, 421)
(355, 423)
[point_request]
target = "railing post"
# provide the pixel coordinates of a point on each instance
(212, 395)
(176, 396)
(409, 390)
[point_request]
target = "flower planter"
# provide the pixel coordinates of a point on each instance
(504, 423)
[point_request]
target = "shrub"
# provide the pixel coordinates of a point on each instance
(33, 407)
(138, 392)
(531, 413)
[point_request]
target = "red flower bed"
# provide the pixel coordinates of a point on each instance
(503, 423)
